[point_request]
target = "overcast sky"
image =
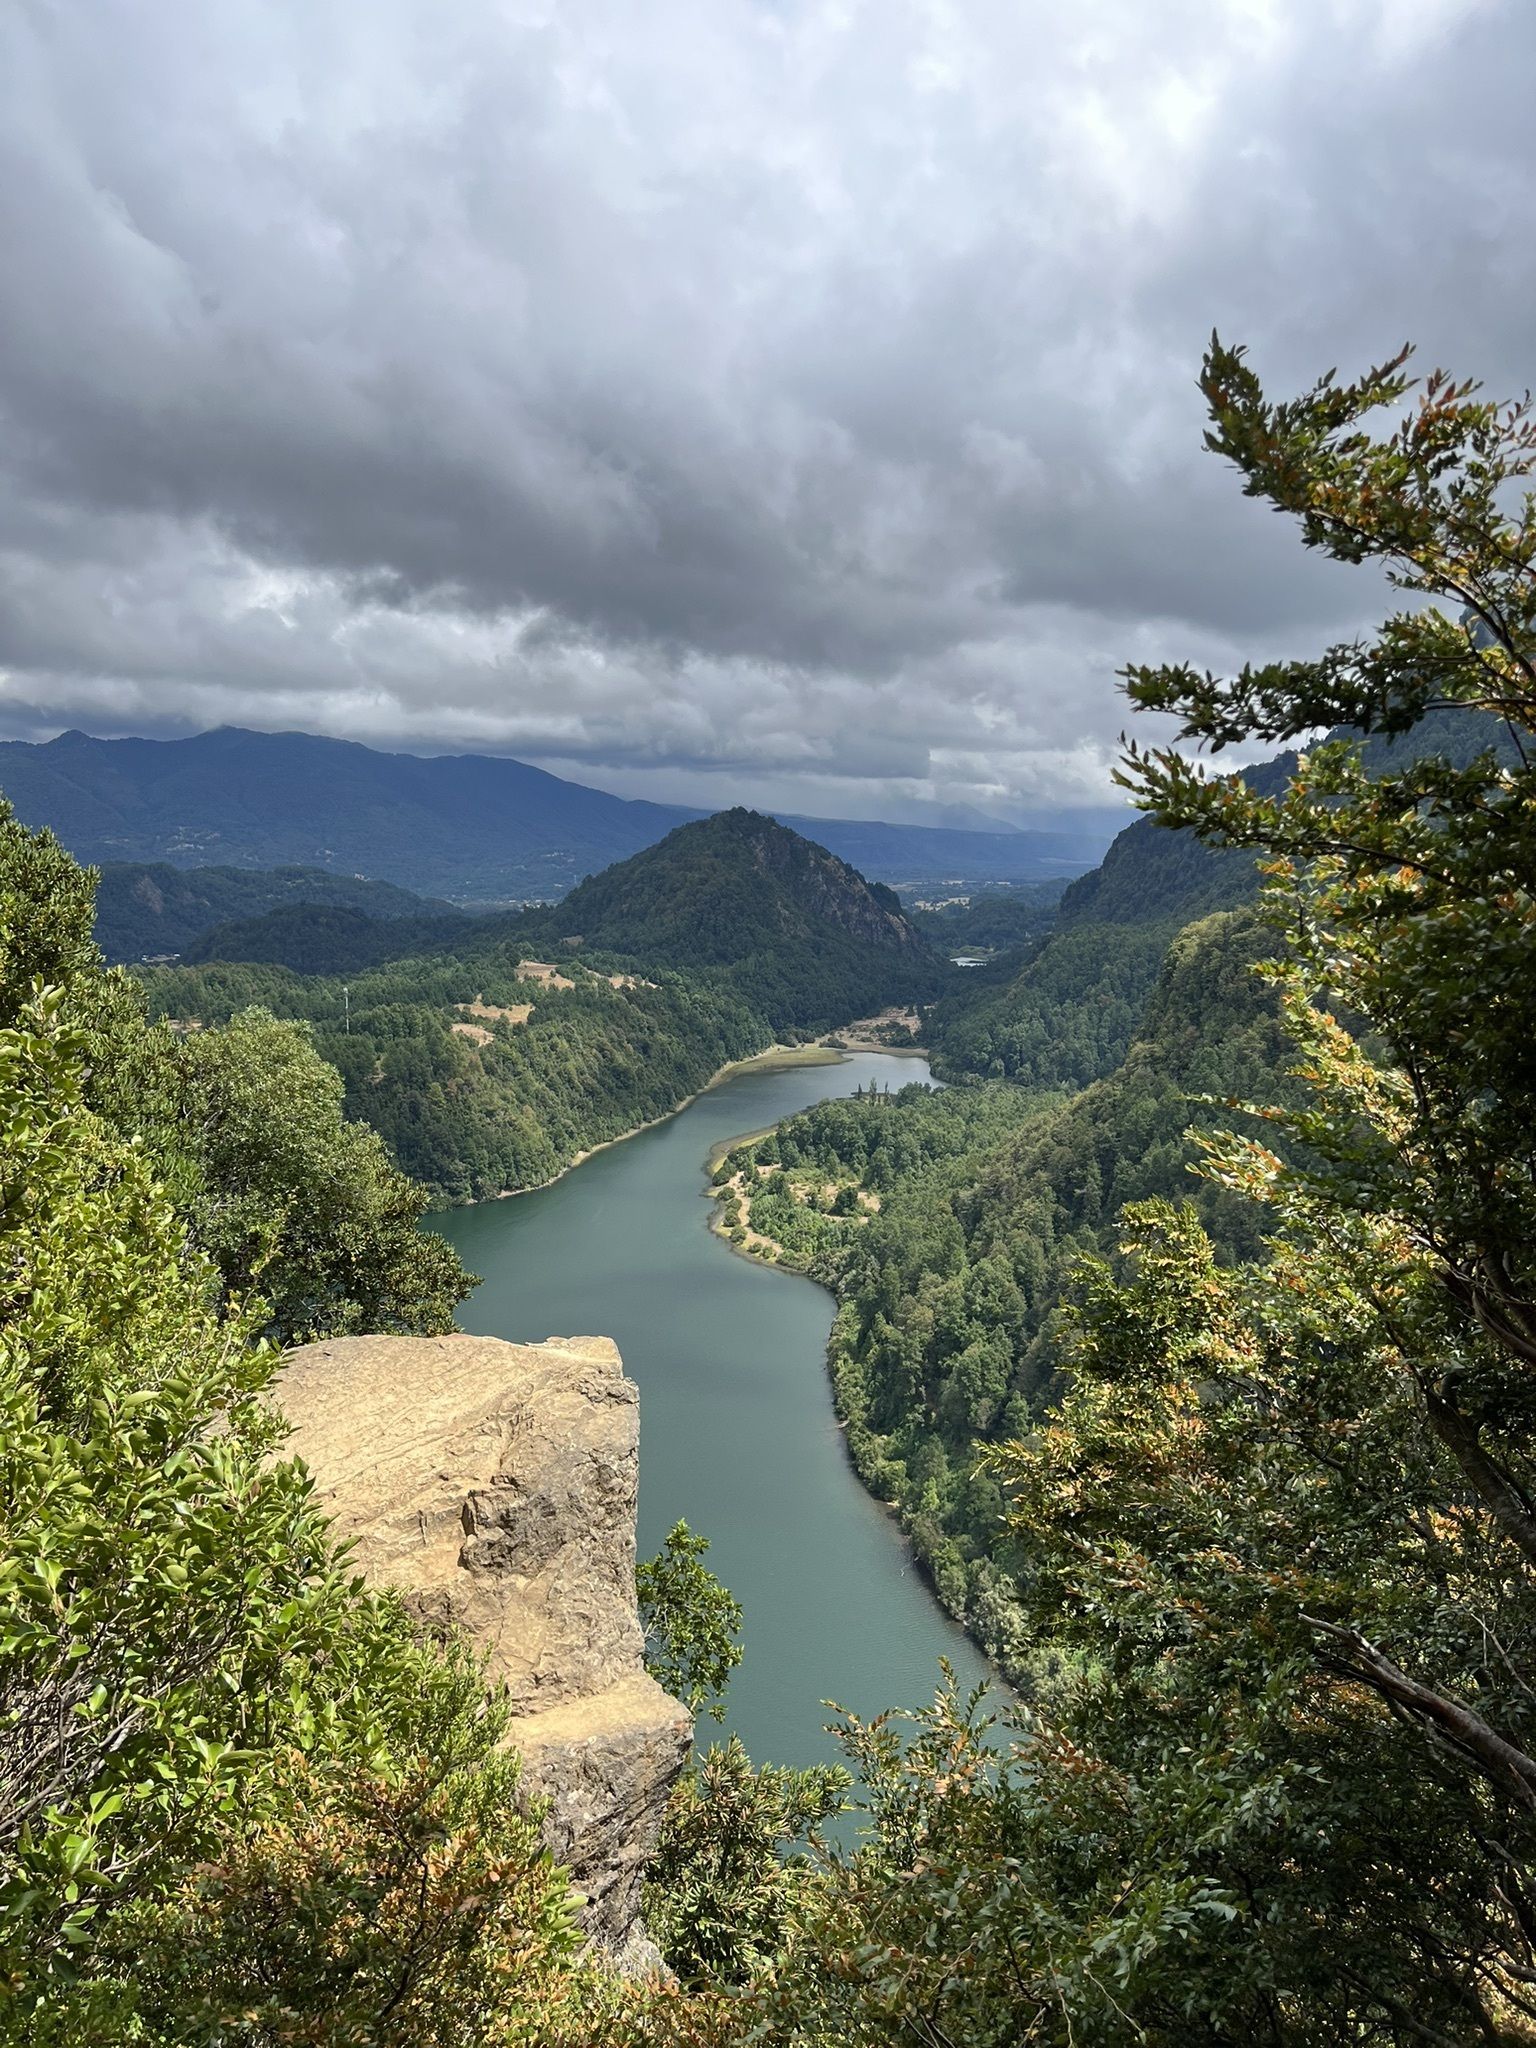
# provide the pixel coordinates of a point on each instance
(707, 399)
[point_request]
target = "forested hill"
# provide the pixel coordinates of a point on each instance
(730, 885)
(1067, 1014)
(488, 1060)
(736, 893)
(1068, 1011)
(144, 908)
(802, 937)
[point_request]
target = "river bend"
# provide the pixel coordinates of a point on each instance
(738, 1436)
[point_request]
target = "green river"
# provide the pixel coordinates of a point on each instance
(738, 1436)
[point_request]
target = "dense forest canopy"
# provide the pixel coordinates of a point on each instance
(488, 1062)
(1268, 1547)
(150, 908)
(326, 938)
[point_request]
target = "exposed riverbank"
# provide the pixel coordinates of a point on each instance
(771, 1061)
(893, 1031)
(737, 1193)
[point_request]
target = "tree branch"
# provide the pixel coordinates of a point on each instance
(1500, 1761)
(1493, 1486)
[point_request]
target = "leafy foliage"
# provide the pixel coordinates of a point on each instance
(413, 1908)
(730, 1864)
(1067, 1014)
(244, 1126)
(296, 1200)
(182, 1652)
(736, 1861)
(691, 1622)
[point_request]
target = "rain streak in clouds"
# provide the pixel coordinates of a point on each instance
(790, 402)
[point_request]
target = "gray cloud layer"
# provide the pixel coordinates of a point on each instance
(773, 399)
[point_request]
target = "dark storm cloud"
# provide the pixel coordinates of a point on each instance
(800, 393)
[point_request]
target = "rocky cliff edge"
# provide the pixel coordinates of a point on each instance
(493, 1485)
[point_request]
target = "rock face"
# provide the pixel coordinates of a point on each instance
(493, 1485)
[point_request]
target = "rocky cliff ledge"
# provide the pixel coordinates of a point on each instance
(494, 1486)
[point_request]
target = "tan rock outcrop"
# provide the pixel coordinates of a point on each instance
(493, 1485)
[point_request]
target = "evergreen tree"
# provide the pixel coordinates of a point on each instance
(1278, 1530)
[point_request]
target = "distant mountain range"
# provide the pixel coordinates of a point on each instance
(478, 828)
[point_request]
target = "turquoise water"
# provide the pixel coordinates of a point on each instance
(738, 1436)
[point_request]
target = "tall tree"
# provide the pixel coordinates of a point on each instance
(1279, 1529)
(1407, 895)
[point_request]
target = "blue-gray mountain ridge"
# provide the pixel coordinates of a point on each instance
(475, 828)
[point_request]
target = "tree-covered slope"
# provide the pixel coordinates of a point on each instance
(1070, 1010)
(730, 885)
(328, 938)
(986, 1198)
(801, 935)
(482, 1076)
(148, 908)
(1065, 1017)
(1067, 1013)
(994, 921)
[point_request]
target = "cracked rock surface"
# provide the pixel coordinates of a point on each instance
(493, 1486)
